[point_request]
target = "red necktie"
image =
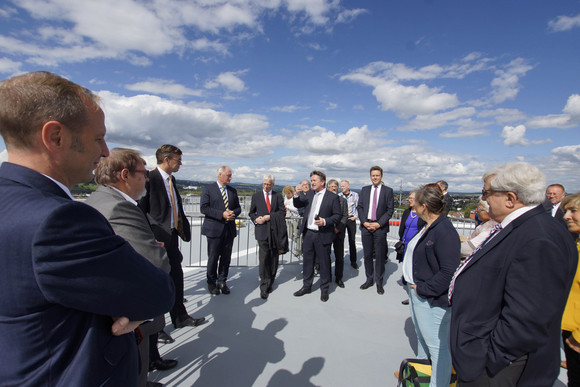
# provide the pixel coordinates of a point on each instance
(268, 200)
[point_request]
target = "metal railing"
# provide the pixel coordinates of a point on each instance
(245, 248)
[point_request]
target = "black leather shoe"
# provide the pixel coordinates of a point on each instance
(380, 289)
(184, 300)
(264, 295)
(213, 290)
(189, 322)
(301, 292)
(224, 288)
(354, 265)
(340, 283)
(164, 338)
(405, 302)
(162, 364)
(367, 285)
(324, 296)
(154, 384)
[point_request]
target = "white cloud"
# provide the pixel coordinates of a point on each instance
(411, 100)
(289, 108)
(166, 87)
(505, 86)
(564, 23)
(432, 121)
(9, 66)
(569, 119)
(228, 80)
(149, 121)
(515, 135)
(569, 153)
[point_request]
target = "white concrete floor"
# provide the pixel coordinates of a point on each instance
(357, 338)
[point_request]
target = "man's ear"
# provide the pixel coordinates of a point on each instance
(512, 198)
(52, 135)
(124, 174)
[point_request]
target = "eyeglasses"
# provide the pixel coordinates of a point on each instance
(143, 171)
(178, 160)
(489, 192)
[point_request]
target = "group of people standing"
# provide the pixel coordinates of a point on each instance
(491, 305)
(79, 280)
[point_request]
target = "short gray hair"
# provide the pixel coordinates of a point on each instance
(223, 169)
(269, 177)
(522, 178)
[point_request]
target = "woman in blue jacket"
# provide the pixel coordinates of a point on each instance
(430, 260)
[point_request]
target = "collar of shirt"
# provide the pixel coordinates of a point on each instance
(515, 214)
(127, 197)
(62, 186)
(164, 174)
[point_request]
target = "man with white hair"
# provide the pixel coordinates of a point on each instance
(508, 296)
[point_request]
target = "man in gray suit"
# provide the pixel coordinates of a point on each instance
(121, 178)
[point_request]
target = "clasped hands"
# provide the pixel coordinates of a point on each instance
(229, 215)
(372, 226)
(262, 219)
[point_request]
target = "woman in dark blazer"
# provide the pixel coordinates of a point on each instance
(428, 266)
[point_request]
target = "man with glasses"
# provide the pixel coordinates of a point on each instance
(508, 296)
(162, 203)
(121, 179)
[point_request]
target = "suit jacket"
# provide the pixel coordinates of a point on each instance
(341, 225)
(156, 204)
(258, 208)
(435, 258)
(212, 206)
(129, 222)
(559, 216)
(385, 206)
(509, 299)
(64, 274)
(329, 210)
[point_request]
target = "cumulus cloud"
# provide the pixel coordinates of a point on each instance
(505, 85)
(515, 135)
(564, 23)
(166, 87)
(148, 121)
(229, 81)
(9, 66)
(569, 119)
(71, 31)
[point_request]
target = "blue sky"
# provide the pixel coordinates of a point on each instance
(426, 89)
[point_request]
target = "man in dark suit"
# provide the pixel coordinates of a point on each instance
(375, 207)
(220, 205)
(446, 197)
(121, 178)
(340, 230)
(162, 203)
(322, 212)
(508, 297)
(66, 277)
(265, 205)
(555, 193)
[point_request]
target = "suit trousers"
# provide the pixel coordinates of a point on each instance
(508, 377)
(219, 253)
(178, 311)
(314, 248)
(351, 230)
(338, 246)
(268, 258)
(374, 245)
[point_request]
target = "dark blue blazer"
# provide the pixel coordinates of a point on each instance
(64, 275)
(330, 211)
(509, 300)
(258, 208)
(156, 204)
(435, 258)
(212, 206)
(385, 206)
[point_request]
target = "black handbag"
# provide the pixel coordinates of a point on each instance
(400, 247)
